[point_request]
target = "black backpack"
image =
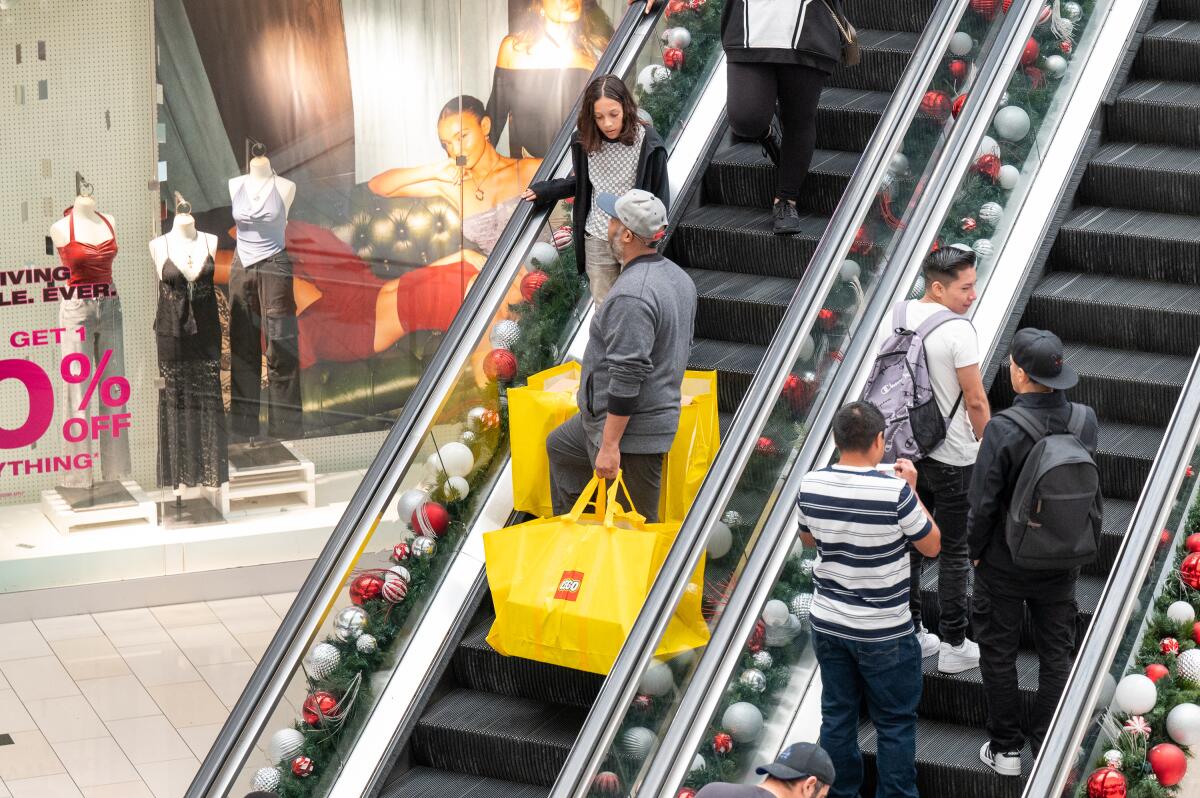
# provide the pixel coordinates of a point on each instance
(1056, 512)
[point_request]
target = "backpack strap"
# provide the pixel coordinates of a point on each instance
(1077, 420)
(900, 315)
(937, 320)
(1027, 421)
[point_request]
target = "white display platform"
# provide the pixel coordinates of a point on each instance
(67, 521)
(278, 484)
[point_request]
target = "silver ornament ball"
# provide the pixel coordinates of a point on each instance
(469, 438)
(779, 636)
(763, 660)
(807, 565)
(732, 518)
(366, 644)
(266, 779)
(322, 661)
(990, 212)
(505, 334)
(350, 623)
(424, 547)
(801, 606)
(1187, 666)
(409, 502)
(284, 745)
(754, 679)
(1072, 11)
(1113, 758)
(637, 742)
(983, 248)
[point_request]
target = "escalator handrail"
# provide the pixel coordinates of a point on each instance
(1129, 572)
(593, 742)
(957, 157)
(268, 681)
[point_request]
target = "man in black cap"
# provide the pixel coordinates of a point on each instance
(802, 770)
(1003, 589)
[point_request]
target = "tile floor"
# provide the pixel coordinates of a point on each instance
(124, 704)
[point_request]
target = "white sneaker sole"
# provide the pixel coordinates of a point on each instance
(956, 665)
(1002, 770)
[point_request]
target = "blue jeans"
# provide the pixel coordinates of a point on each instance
(888, 674)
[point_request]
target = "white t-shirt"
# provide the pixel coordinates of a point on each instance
(947, 349)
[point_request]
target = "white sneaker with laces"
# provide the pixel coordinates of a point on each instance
(930, 643)
(956, 659)
(1006, 764)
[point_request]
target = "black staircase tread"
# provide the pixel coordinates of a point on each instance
(759, 289)
(728, 356)
(1180, 30)
(1150, 226)
(1123, 364)
(421, 782)
(1152, 177)
(749, 156)
(1102, 289)
(752, 221)
(949, 747)
(1117, 515)
(893, 40)
(858, 100)
(1129, 440)
(1161, 92)
(492, 715)
(1027, 671)
(1088, 587)
(1159, 158)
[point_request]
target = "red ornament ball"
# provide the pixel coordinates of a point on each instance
(672, 58)
(364, 588)
(685, 792)
(675, 6)
(1031, 52)
(490, 419)
(1065, 46)
(827, 318)
(401, 552)
(431, 520)
(1168, 645)
(319, 706)
(1106, 783)
(1168, 762)
(798, 391)
(968, 224)
(395, 590)
(532, 283)
(500, 364)
(957, 107)
(985, 8)
(722, 743)
(1007, 5)
(1192, 542)
(935, 105)
(959, 69)
(1155, 671)
(1196, 633)
(1188, 473)
(766, 446)
(988, 165)
(1164, 538)
(606, 783)
(303, 767)
(1189, 571)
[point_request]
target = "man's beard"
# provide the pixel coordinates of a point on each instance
(615, 250)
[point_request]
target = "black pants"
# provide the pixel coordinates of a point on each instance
(752, 92)
(943, 490)
(573, 461)
(998, 612)
(258, 292)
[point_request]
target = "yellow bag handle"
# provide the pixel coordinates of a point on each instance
(613, 504)
(594, 493)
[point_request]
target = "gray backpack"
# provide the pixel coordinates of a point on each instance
(1056, 511)
(899, 386)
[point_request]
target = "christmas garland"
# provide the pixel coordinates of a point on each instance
(690, 47)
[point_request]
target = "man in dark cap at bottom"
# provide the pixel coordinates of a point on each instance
(802, 770)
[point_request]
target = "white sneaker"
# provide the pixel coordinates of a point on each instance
(956, 659)
(930, 643)
(1006, 764)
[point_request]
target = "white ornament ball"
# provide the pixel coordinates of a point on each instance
(886, 182)
(542, 255)
(983, 248)
(678, 37)
(1009, 175)
(684, 659)
(1187, 667)
(898, 165)
(1181, 612)
(651, 76)
(455, 459)
(720, 540)
(698, 763)
(285, 745)
(961, 43)
(657, 680)
(1113, 758)
(777, 636)
(366, 644)
(1183, 724)
(775, 613)
(409, 502)
(990, 212)
(349, 623)
(807, 347)
(1012, 122)
(394, 589)
(850, 270)
(987, 146)
(1056, 66)
(637, 742)
(456, 489)
(1136, 694)
(1072, 11)
(743, 721)
(322, 660)
(504, 334)
(754, 679)
(266, 779)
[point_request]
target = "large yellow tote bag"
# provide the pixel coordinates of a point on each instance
(567, 590)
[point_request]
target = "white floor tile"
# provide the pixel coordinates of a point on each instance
(255, 643)
(200, 738)
(66, 719)
(228, 680)
(151, 739)
(129, 789)
(158, 663)
(251, 614)
(68, 627)
(28, 757)
(22, 640)
(131, 627)
(169, 779)
(93, 763)
(119, 697)
(58, 786)
(13, 717)
(40, 677)
(210, 644)
(193, 614)
(189, 704)
(4, 793)
(280, 602)
(89, 657)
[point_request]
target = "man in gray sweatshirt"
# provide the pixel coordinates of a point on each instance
(633, 365)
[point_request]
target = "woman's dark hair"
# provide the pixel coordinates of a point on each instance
(856, 426)
(590, 34)
(613, 88)
(944, 265)
(467, 104)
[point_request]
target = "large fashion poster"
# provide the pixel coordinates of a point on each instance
(398, 136)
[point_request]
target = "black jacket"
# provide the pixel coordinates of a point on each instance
(782, 32)
(651, 176)
(1001, 455)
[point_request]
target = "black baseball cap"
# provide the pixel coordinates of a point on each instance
(799, 761)
(1040, 354)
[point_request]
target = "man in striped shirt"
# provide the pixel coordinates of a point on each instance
(863, 522)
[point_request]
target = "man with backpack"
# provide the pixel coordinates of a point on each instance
(927, 384)
(1036, 512)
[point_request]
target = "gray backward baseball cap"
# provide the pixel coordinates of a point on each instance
(639, 210)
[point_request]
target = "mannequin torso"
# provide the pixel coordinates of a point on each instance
(258, 181)
(184, 246)
(90, 227)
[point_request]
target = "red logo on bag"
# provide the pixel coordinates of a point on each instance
(568, 586)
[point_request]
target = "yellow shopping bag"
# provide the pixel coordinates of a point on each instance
(695, 445)
(567, 590)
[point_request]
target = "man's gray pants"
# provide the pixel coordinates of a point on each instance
(572, 465)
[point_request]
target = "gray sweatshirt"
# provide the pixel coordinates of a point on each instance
(637, 352)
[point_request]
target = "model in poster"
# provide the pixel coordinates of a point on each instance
(485, 190)
(262, 306)
(192, 439)
(87, 245)
(541, 68)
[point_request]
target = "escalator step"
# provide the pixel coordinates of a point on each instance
(1179, 9)
(429, 783)
(1151, 177)
(1125, 454)
(1125, 243)
(1170, 51)
(739, 174)
(885, 54)
(905, 15)
(1124, 386)
(947, 762)
(1117, 515)
(731, 238)
(740, 307)
(1161, 111)
(477, 666)
(735, 364)
(846, 118)
(496, 736)
(959, 698)
(1117, 312)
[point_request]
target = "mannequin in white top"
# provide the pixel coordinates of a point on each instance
(185, 245)
(258, 179)
(89, 225)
